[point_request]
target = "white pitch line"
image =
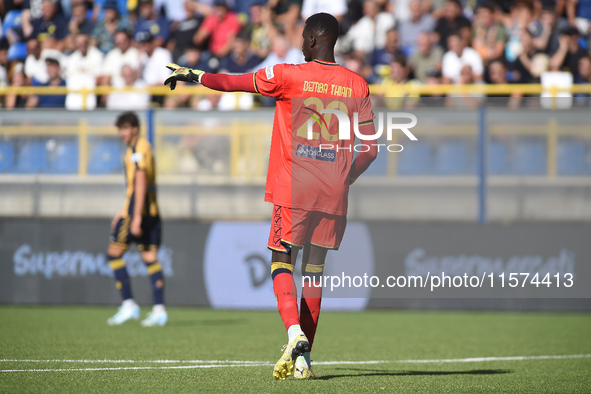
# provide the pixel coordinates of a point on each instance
(105, 361)
(134, 368)
(484, 359)
(230, 363)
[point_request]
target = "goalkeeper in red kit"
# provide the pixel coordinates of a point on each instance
(310, 170)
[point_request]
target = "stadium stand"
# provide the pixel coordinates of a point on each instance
(6, 156)
(105, 157)
(543, 40)
(32, 158)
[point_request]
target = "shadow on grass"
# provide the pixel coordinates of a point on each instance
(208, 322)
(377, 372)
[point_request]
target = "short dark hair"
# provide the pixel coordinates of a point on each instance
(326, 25)
(129, 118)
(400, 60)
(487, 5)
(124, 31)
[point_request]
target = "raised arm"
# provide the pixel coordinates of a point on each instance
(220, 82)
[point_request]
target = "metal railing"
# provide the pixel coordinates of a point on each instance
(411, 89)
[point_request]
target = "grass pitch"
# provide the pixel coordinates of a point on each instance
(42, 350)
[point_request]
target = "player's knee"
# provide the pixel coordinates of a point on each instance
(115, 251)
(149, 255)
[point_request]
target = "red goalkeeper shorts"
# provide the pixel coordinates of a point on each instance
(295, 227)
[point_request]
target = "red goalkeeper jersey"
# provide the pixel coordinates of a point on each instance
(312, 173)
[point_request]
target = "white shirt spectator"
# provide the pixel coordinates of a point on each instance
(334, 7)
(3, 76)
(36, 68)
(91, 64)
(452, 64)
(369, 34)
(115, 59)
(402, 10)
(175, 9)
(293, 56)
(153, 70)
(128, 101)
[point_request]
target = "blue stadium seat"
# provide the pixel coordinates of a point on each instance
(11, 21)
(17, 51)
(529, 157)
(65, 159)
(415, 159)
(380, 164)
(453, 158)
(105, 157)
(32, 158)
(498, 158)
(571, 158)
(6, 156)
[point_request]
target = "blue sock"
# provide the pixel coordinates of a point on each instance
(121, 277)
(157, 280)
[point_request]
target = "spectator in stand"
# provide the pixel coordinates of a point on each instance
(220, 28)
(337, 8)
(497, 74)
(401, 9)
(100, 6)
(79, 23)
(465, 100)
(419, 22)
(87, 59)
(153, 23)
(51, 29)
(584, 70)
(153, 57)
(285, 14)
(260, 29)
(122, 54)
(488, 36)
(369, 33)
(174, 10)
(578, 11)
(129, 100)
(34, 63)
(581, 99)
(106, 30)
(530, 63)
(32, 10)
(399, 75)
(3, 62)
(548, 39)
(281, 52)
(459, 55)
(18, 80)
(241, 60)
(453, 20)
(55, 79)
(379, 62)
(426, 57)
(569, 52)
(435, 99)
(182, 37)
(520, 19)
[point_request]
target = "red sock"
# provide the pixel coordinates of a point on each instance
(310, 310)
(285, 293)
